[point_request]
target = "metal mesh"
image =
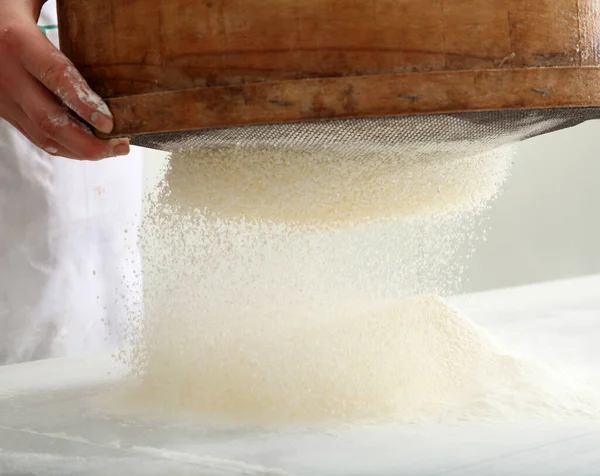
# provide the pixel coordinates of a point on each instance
(455, 134)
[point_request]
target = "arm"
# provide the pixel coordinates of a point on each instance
(43, 95)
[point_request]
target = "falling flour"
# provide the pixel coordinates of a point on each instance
(329, 187)
(299, 287)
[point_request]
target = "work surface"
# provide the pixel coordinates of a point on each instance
(47, 426)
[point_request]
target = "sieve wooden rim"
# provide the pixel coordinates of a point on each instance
(353, 97)
(166, 65)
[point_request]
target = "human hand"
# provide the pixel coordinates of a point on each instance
(43, 95)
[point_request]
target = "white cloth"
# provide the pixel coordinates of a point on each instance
(69, 266)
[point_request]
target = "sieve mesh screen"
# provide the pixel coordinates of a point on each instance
(459, 134)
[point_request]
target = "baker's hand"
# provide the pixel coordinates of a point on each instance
(41, 92)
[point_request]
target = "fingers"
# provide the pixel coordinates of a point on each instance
(49, 119)
(38, 86)
(19, 120)
(51, 68)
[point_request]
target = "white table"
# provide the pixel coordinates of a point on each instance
(47, 427)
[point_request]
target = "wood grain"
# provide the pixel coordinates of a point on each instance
(589, 30)
(265, 48)
(361, 96)
(545, 32)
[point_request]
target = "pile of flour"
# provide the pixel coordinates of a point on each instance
(286, 286)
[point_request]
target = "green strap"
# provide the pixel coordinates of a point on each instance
(46, 28)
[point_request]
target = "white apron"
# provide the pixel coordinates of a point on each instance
(69, 266)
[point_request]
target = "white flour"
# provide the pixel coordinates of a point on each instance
(327, 187)
(296, 322)
(417, 359)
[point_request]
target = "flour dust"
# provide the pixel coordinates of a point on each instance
(297, 286)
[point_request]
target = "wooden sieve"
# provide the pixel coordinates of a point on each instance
(185, 65)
